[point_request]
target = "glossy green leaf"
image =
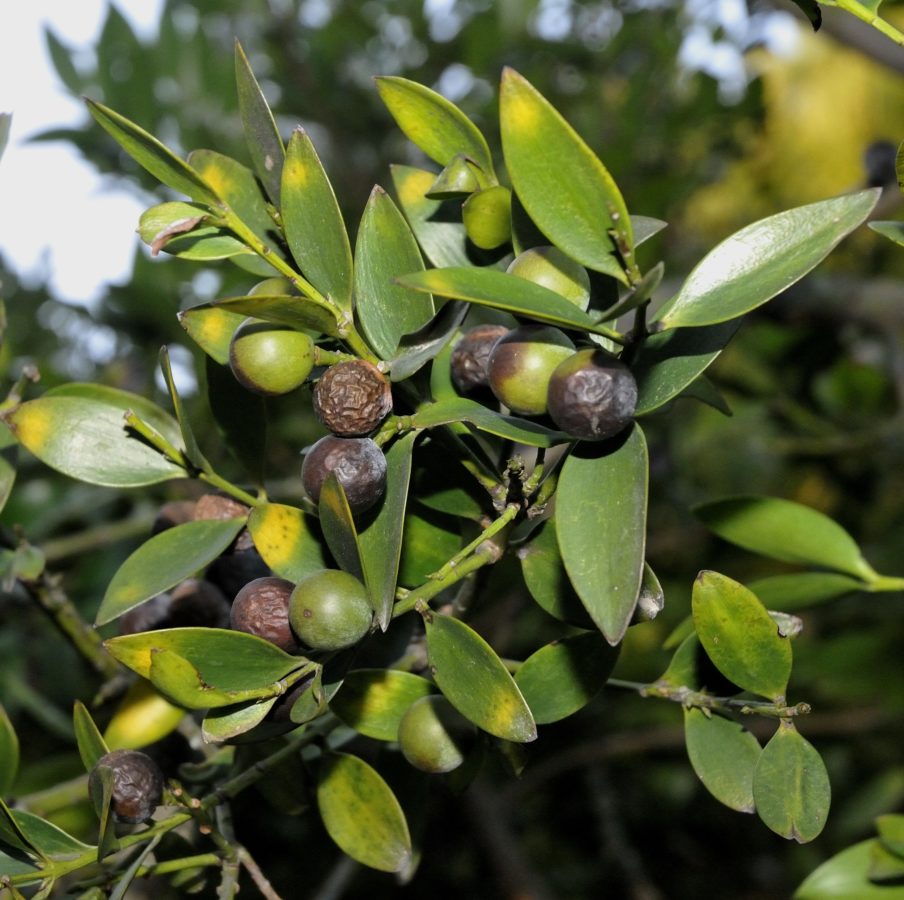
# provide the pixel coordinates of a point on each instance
(149, 153)
(313, 224)
(564, 676)
(500, 290)
(86, 437)
(295, 311)
(846, 876)
(265, 146)
(226, 660)
(885, 867)
(791, 786)
(91, 744)
(429, 541)
(764, 259)
(373, 701)
(560, 181)
(228, 722)
(380, 541)
(419, 347)
(442, 238)
(739, 636)
(386, 249)
(894, 231)
(211, 328)
(287, 539)
(670, 361)
(164, 560)
(433, 123)
(724, 755)
(361, 813)
(461, 409)
(682, 668)
(458, 179)
(601, 518)
(546, 579)
(180, 229)
(9, 753)
(802, 589)
(785, 530)
(475, 681)
(339, 529)
(11, 832)
(50, 840)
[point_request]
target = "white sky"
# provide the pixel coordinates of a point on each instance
(45, 192)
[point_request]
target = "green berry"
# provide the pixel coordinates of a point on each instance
(552, 269)
(433, 736)
(487, 217)
(269, 359)
(329, 610)
(521, 364)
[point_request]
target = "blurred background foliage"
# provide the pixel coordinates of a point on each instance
(608, 803)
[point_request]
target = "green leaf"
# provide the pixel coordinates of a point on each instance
(846, 876)
(225, 660)
(19, 865)
(9, 753)
(262, 137)
(380, 541)
(50, 840)
(894, 231)
(373, 701)
(891, 833)
(442, 239)
(192, 450)
(601, 517)
(385, 249)
(211, 328)
(810, 8)
(419, 347)
(91, 745)
(764, 259)
(461, 409)
(724, 755)
(788, 531)
(430, 540)
(11, 832)
(86, 437)
(564, 676)
(295, 311)
(670, 361)
(682, 668)
(434, 124)
(228, 722)
(791, 786)
(100, 790)
(149, 153)
(802, 589)
(5, 122)
(361, 813)
(500, 290)
(560, 181)
(886, 868)
(338, 526)
(164, 560)
(61, 57)
(142, 717)
(475, 681)
(287, 539)
(739, 636)
(313, 224)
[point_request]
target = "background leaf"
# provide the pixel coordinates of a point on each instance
(339, 529)
(845, 876)
(91, 744)
(373, 701)
(802, 589)
(9, 753)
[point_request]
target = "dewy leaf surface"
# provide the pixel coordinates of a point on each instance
(763, 259)
(601, 518)
(563, 185)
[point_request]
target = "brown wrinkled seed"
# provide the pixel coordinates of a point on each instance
(469, 359)
(137, 784)
(360, 468)
(352, 398)
(261, 608)
(218, 506)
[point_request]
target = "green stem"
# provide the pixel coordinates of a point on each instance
(489, 532)
(228, 487)
(324, 357)
(885, 583)
(96, 538)
(610, 333)
(202, 860)
(156, 440)
(426, 592)
(871, 18)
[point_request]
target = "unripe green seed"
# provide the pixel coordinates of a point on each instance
(552, 269)
(521, 364)
(487, 217)
(329, 610)
(433, 736)
(269, 359)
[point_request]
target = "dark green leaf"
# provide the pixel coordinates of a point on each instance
(419, 347)
(891, 833)
(287, 539)
(886, 868)
(228, 722)
(385, 249)
(380, 541)
(179, 229)
(339, 529)
(671, 360)
(810, 8)
(149, 153)
(373, 701)
(164, 560)
(739, 636)
(562, 184)
(51, 841)
(262, 137)
(19, 864)
(763, 259)
(361, 813)
(61, 57)
(846, 876)
(791, 786)
(782, 529)
(475, 681)
(434, 124)
(724, 755)
(313, 224)
(802, 589)
(429, 541)
(11, 833)
(211, 328)
(9, 753)
(682, 668)
(192, 450)
(284, 309)
(564, 676)
(894, 231)
(91, 745)
(601, 517)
